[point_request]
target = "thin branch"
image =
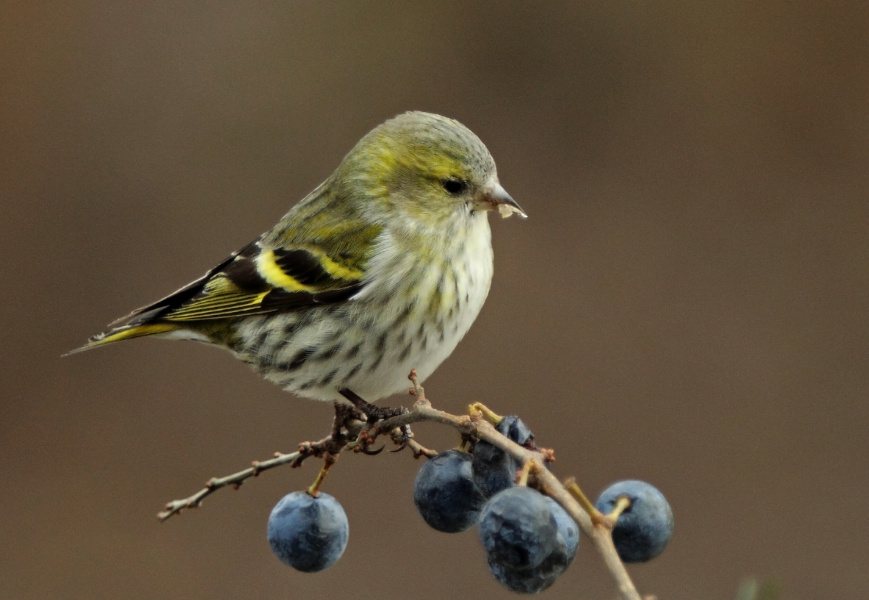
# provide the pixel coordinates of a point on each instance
(599, 534)
(345, 429)
(235, 480)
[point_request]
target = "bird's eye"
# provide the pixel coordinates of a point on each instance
(454, 186)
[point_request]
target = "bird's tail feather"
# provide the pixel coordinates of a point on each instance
(125, 332)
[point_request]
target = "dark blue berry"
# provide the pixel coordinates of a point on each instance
(528, 581)
(307, 533)
(644, 528)
(517, 528)
(494, 469)
(445, 493)
(567, 529)
(515, 429)
(521, 576)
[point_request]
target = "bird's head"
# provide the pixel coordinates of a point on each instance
(426, 168)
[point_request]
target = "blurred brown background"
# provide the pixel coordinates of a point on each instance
(687, 303)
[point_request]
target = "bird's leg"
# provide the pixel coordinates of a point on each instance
(375, 414)
(347, 421)
(372, 413)
(345, 426)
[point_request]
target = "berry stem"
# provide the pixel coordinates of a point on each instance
(328, 461)
(488, 413)
(522, 474)
(571, 486)
(622, 504)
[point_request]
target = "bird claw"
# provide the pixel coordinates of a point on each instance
(370, 452)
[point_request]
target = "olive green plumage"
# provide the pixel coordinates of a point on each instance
(382, 268)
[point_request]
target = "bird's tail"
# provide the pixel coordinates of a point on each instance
(125, 332)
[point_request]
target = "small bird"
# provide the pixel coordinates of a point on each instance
(381, 269)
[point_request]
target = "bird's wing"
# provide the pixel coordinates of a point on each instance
(269, 275)
(261, 280)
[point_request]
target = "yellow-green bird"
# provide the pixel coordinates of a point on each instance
(382, 268)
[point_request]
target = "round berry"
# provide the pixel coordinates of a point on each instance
(308, 533)
(643, 529)
(527, 581)
(515, 429)
(494, 469)
(567, 529)
(562, 551)
(445, 493)
(517, 528)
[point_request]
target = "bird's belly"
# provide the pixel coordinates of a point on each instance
(370, 344)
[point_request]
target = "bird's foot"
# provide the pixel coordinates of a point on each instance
(373, 415)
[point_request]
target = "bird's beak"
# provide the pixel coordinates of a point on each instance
(495, 197)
